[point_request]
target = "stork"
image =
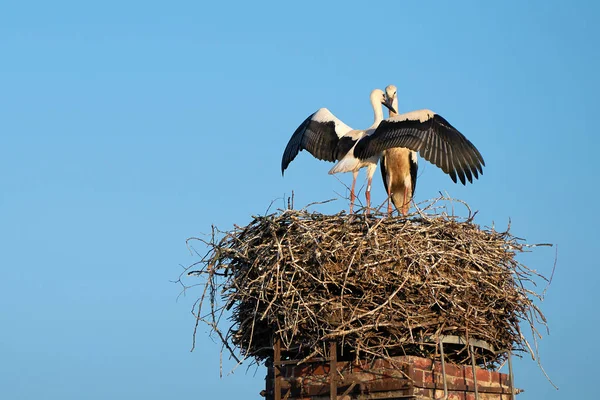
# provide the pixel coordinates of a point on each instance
(326, 137)
(398, 167)
(425, 132)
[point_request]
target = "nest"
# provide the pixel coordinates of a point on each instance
(378, 286)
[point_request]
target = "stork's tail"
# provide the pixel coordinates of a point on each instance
(346, 164)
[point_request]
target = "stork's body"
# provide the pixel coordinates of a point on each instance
(351, 164)
(399, 172)
(398, 167)
(328, 138)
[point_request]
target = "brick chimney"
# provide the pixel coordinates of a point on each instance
(402, 377)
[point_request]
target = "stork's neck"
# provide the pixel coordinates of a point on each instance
(378, 111)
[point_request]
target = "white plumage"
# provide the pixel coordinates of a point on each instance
(397, 139)
(327, 138)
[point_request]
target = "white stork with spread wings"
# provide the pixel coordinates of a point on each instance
(327, 138)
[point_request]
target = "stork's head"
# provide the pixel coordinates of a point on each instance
(377, 96)
(390, 92)
(391, 98)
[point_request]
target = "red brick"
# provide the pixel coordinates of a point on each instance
(418, 376)
(422, 363)
(483, 375)
(456, 380)
(467, 383)
(498, 379)
(468, 373)
(452, 370)
(495, 376)
(466, 378)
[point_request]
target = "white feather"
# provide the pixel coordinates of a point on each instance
(346, 164)
(419, 115)
(324, 115)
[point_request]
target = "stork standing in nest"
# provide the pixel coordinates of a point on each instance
(421, 131)
(398, 167)
(326, 137)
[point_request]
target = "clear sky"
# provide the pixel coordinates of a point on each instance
(126, 127)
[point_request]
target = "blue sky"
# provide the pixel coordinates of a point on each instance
(126, 127)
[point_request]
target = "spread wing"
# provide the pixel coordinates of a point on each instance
(320, 135)
(433, 137)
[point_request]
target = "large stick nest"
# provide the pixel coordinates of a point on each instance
(379, 286)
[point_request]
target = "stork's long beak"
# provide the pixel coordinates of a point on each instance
(388, 104)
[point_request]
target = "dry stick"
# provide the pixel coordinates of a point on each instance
(378, 307)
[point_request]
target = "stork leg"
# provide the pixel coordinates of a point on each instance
(370, 171)
(405, 203)
(368, 194)
(352, 195)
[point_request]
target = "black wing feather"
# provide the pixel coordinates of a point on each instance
(319, 138)
(414, 168)
(383, 173)
(344, 145)
(435, 139)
